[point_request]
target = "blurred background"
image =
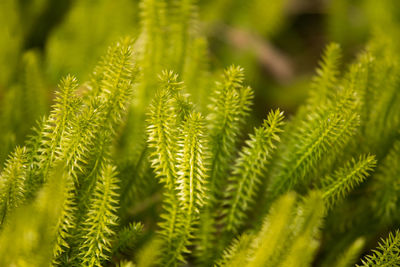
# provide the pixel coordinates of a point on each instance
(278, 42)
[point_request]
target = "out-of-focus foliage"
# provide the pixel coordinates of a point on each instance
(87, 29)
(154, 153)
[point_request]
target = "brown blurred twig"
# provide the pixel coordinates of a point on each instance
(270, 57)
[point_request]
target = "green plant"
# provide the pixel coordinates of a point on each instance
(138, 165)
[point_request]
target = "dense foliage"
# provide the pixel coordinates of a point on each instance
(156, 158)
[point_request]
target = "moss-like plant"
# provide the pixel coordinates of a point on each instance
(150, 162)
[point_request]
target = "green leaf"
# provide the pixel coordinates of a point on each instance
(249, 169)
(98, 229)
(386, 254)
